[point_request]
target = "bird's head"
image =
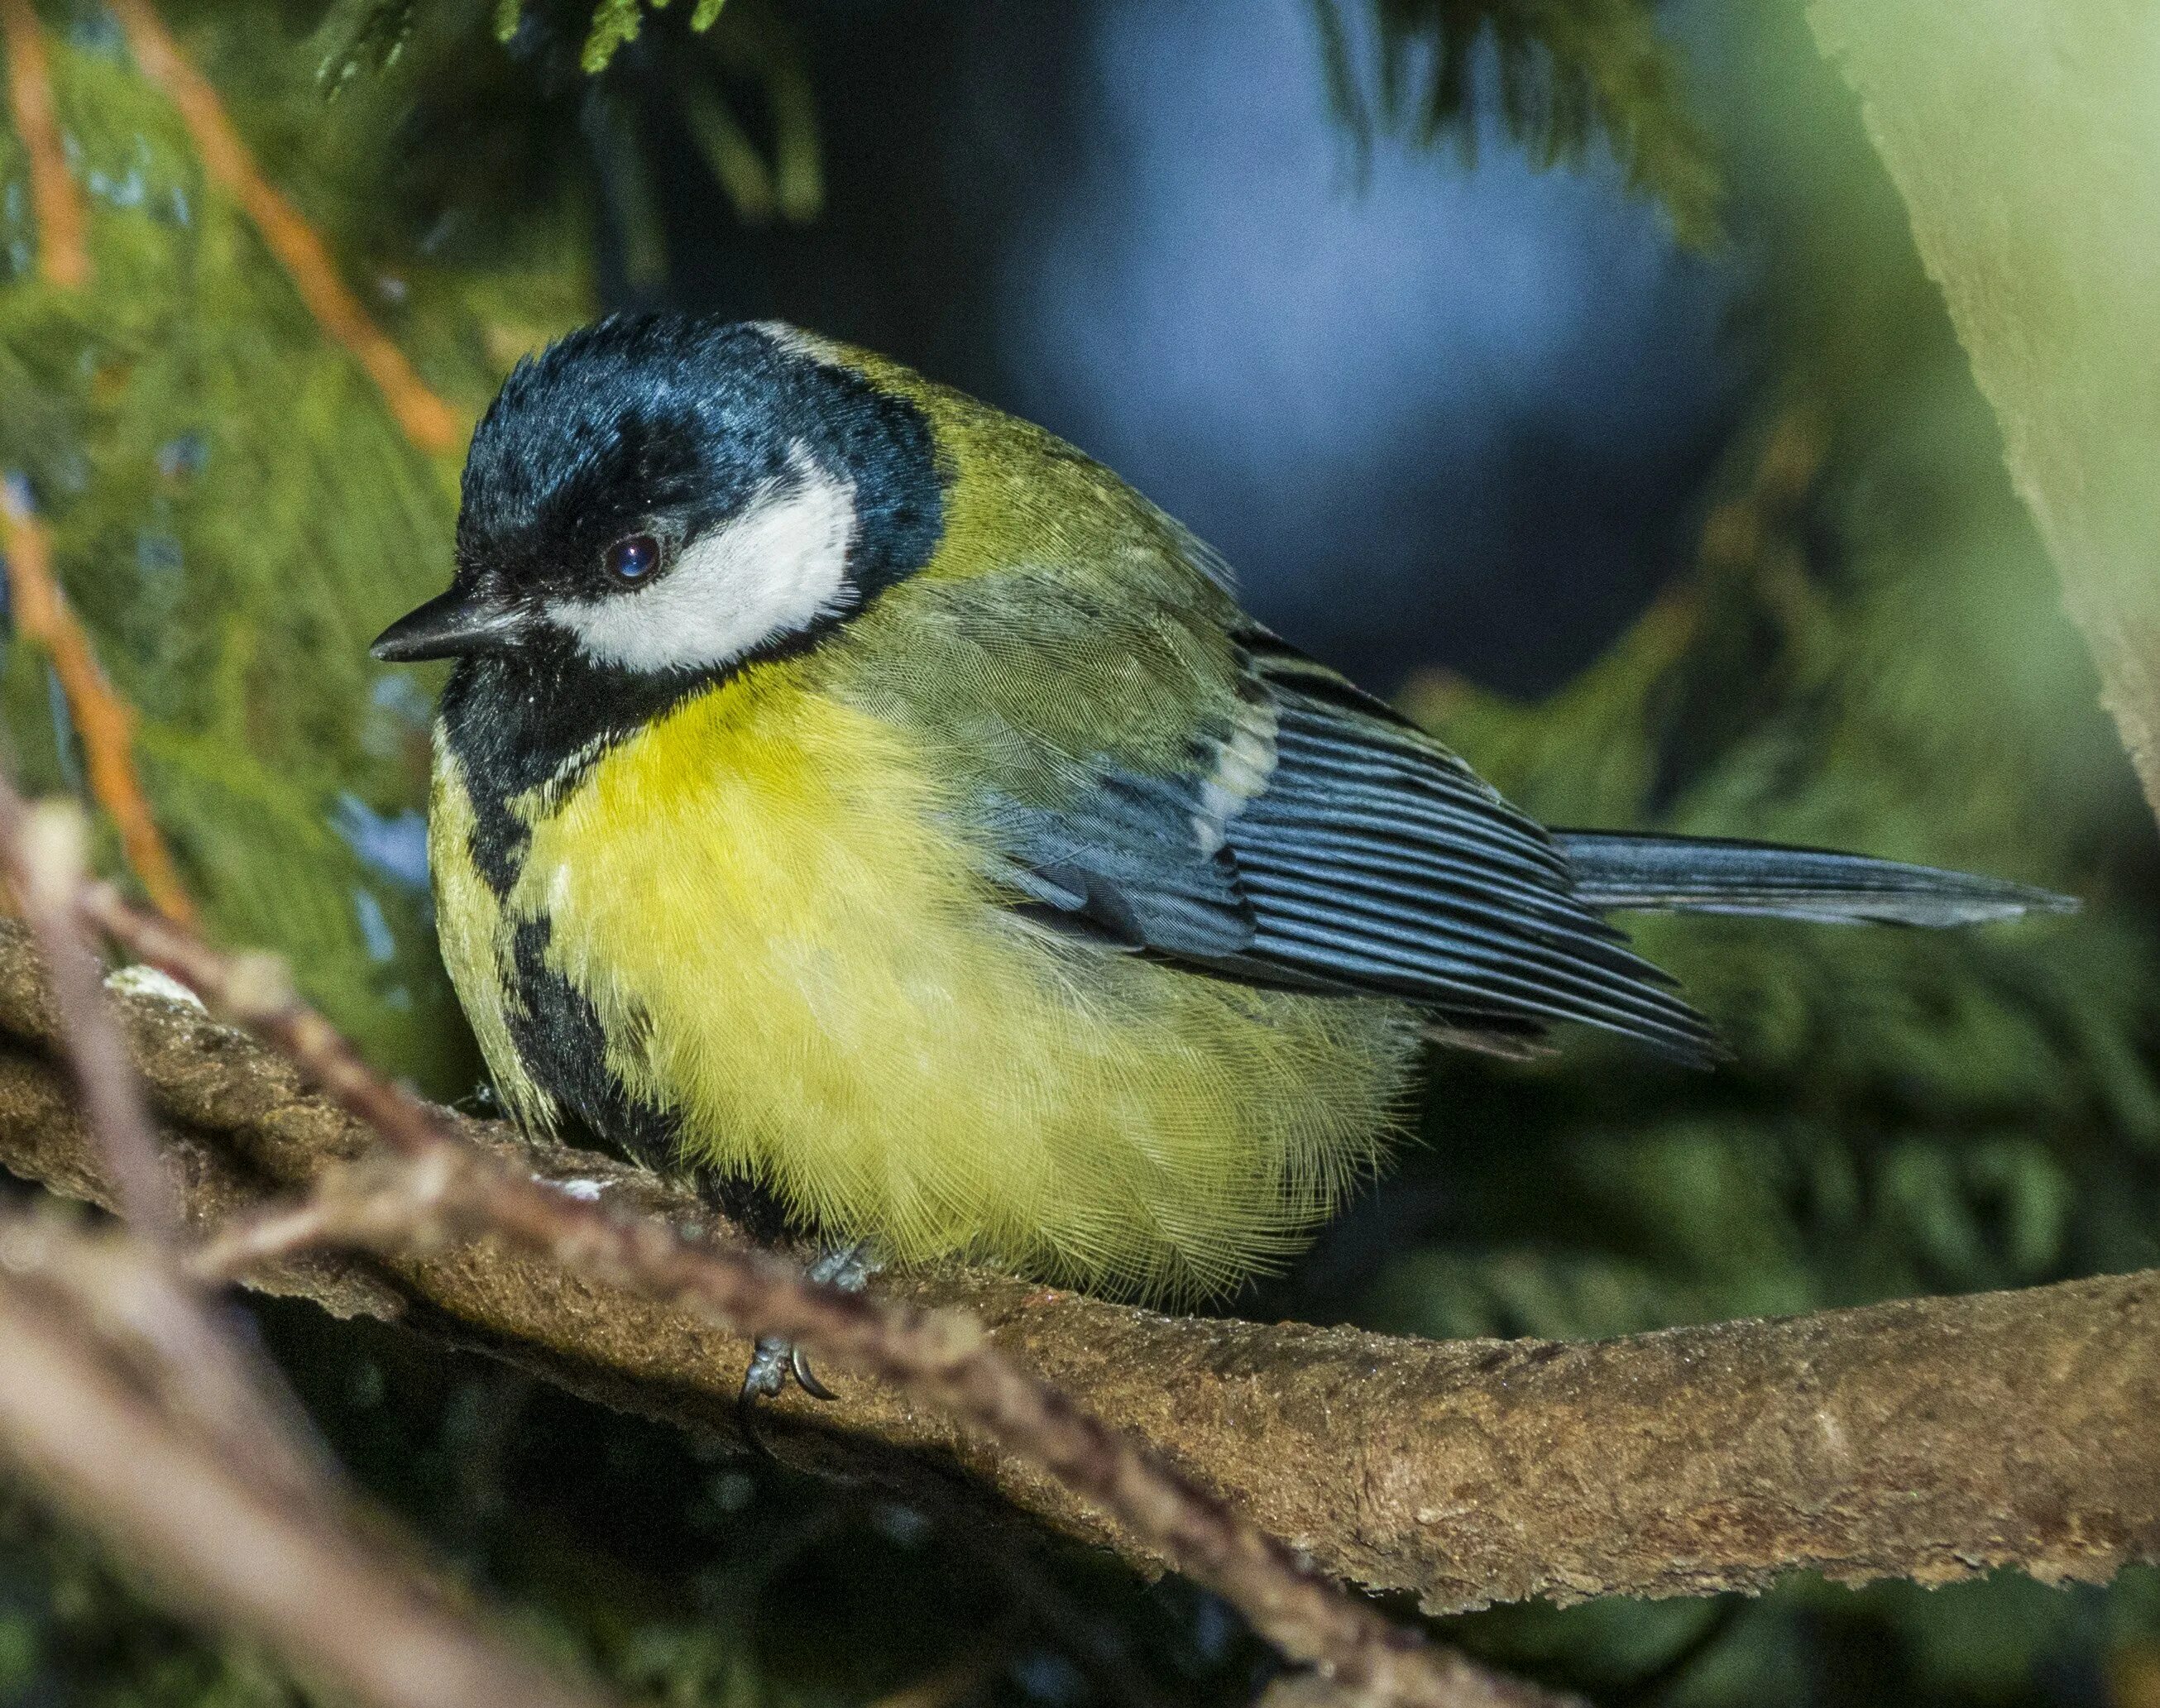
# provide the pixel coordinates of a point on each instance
(666, 497)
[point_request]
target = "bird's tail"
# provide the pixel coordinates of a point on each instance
(1617, 870)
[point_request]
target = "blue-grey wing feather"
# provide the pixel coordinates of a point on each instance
(1320, 840)
(1126, 862)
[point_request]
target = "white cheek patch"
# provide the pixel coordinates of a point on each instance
(775, 569)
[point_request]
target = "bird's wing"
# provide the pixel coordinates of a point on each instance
(1145, 764)
(1317, 838)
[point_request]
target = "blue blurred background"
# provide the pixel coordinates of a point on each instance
(1432, 415)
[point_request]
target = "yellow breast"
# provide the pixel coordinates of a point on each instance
(790, 945)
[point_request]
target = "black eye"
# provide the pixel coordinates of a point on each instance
(632, 557)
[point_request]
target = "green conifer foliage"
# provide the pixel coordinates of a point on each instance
(235, 511)
(1562, 73)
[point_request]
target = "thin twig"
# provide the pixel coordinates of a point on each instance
(233, 1396)
(430, 423)
(938, 1356)
(413, 1206)
(41, 848)
(105, 721)
(219, 1543)
(63, 226)
(211, 1382)
(250, 1244)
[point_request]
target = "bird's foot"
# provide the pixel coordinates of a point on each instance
(775, 1360)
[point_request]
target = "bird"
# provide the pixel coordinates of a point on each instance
(855, 796)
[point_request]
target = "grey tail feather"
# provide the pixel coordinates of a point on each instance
(1619, 870)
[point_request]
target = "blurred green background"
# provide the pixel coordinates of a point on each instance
(1564, 369)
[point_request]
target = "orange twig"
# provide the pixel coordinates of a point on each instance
(428, 421)
(106, 722)
(63, 230)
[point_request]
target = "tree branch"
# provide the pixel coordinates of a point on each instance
(104, 720)
(1929, 1439)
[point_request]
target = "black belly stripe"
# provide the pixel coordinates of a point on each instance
(537, 725)
(498, 842)
(558, 1035)
(560, 1039)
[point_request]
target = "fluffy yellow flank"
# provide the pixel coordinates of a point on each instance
(476, 944)
(787, 943)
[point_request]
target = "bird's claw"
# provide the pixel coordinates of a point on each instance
(766, 1378)
(775, 1360)
(805, 1377)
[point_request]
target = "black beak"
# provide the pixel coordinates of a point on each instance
(449, 627)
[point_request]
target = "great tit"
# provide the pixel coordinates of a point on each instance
(850, 790)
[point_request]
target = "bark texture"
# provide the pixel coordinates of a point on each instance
(1927, 1439)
